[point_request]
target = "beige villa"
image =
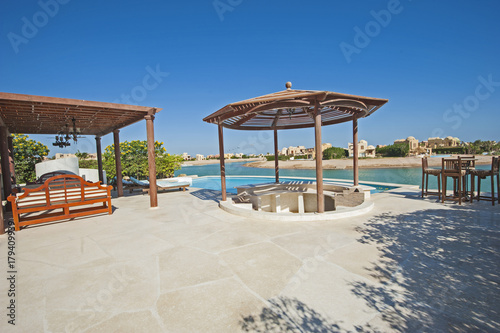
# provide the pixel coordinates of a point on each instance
(364, 150)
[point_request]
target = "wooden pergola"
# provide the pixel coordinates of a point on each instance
(291, 109)
(29, 114)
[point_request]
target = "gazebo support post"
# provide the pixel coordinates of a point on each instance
(12, 166)
(153, 189)
(4, 155)
(99, 158)
(319, 159)
(355, 163)
(2, 223)
(276, 161)
(222, 165)
(118, 161)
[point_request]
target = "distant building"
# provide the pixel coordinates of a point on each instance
(293, 151)
(228, 155)
(200, 157)
(312, 151)
(90, 156)
(186, 156)
(413, 145)
(411, 141)
(61, 155)
(364, 150)
(443, 143)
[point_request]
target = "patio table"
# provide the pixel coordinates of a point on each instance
(468, 163)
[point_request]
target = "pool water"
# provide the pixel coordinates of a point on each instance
(214, 183)
(407, 176)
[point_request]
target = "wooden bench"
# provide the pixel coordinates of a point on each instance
(59, 198)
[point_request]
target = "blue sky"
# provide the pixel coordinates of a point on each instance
(436, 61)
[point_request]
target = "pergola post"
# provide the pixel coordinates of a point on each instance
(99, 158)
(355, 151)
(153, 189)
(4, 156)
(12, 166)
(276, 161)
(222, 165)
(319, 159)
(118, 161)
(2, 223)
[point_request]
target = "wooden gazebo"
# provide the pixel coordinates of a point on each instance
(291, 109)
(30, 114)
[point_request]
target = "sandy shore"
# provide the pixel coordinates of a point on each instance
(388, 162)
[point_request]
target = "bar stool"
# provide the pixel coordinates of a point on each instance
(454, 168)
(425, 176)
(482, 174)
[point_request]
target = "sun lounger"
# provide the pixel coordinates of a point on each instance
(127, 185)
(161, 184)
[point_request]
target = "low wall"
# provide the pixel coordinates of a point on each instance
(69, 164)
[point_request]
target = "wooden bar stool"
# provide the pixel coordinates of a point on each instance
(425, 176)
(482, 174)
(453, 167)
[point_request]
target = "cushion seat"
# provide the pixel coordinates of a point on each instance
(434, 172)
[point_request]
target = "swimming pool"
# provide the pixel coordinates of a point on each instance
(213, 182)
(441, 155)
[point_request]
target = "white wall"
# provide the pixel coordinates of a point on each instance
(63, 164)
(69, 164)
(92, 175)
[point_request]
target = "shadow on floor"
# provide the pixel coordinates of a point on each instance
(291, 315)
(440, 269)
(205, 194)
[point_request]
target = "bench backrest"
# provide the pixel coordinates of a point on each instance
(61, 189)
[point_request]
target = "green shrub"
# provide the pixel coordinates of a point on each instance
(395, 150)
(335, 153)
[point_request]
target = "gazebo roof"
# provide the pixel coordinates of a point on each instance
(31, 114)
(290, 109)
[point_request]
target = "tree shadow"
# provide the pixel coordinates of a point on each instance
(291, 315)
(439, 269)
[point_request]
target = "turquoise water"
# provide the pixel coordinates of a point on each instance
(213, 182)
(434, 156)
(409, 176)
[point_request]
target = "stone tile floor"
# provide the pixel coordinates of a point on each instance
(409, 265)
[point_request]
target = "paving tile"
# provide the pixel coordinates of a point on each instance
(214, 307)
(263, 267)
(116, 287)
(127, 245)
(129, 322)
(312, 243)
(231, 237)
(182, 267)
(78, 320)
(357, 258)
(66, 254)
(328, 289)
